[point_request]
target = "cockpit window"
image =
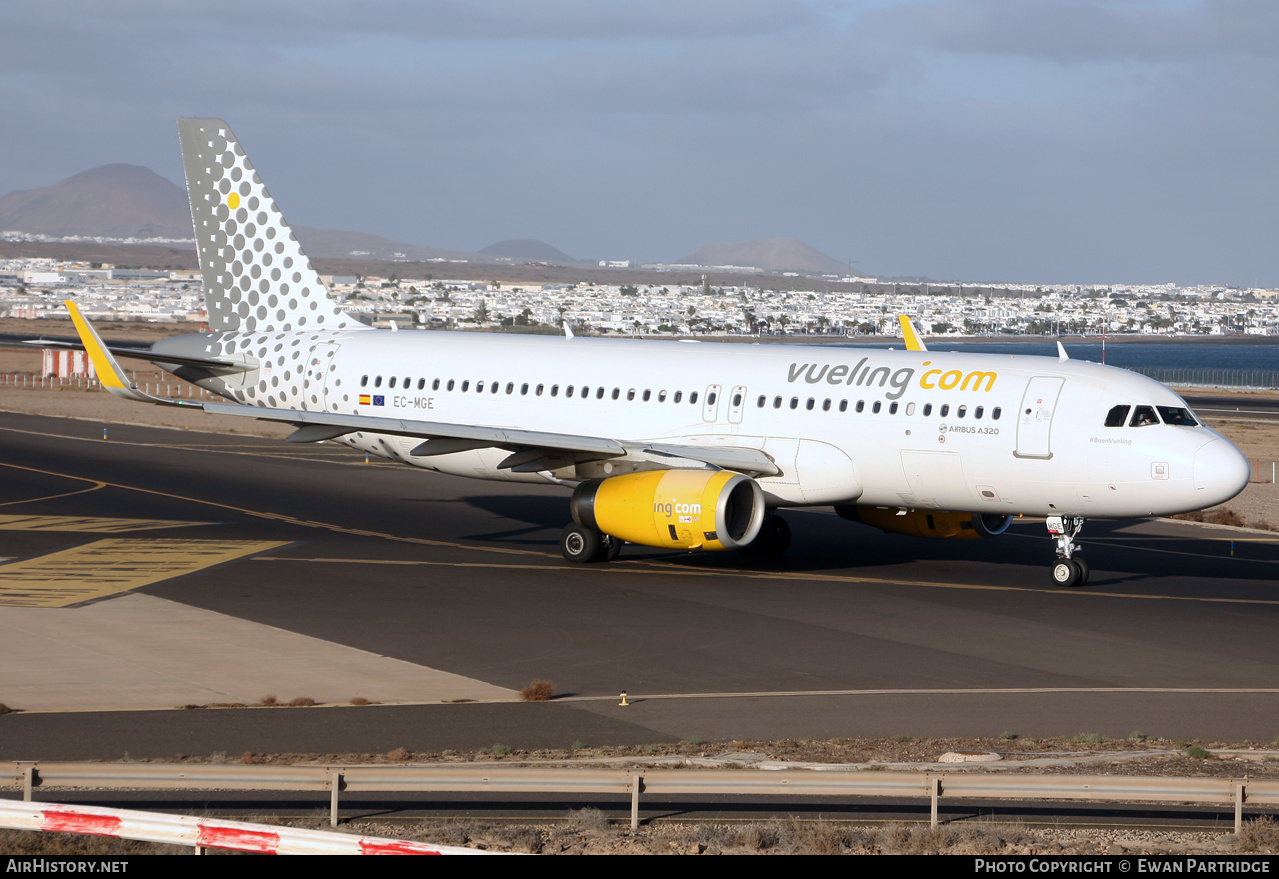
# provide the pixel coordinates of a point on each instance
(1177, 415)
(1117, 416)
(1142, 416)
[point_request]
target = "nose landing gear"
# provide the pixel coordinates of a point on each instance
(1069, 570)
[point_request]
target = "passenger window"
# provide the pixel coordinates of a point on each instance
(961, 412)
(391, 382)
(524, 389)
(892, 408)
(994, 413)
(630, 395)
(493, 388)
(843, 405)
(1117, 416)
(568, 392)
(586, 392)
(692, 398)
(617, 392)
(407, 381)
(710, 398)
(876, 406)
(809, 404)
(737, 400)
(555, 390)
(479, 387)
(794, 402)
(1177, 415)
(759, 404)
(647, 395)
(945, 409)
(510, 387)
(977, 413)
(1143, 416)
(364, 381)
(599, 393)
(661, 396)
(826, 405)
(928, 409)
(910, 408)
(679, 395)
(450, 386)
(421, 384)
(861, 405)
(435, 385)
(377, 382)
(777, 402)
(538, 392)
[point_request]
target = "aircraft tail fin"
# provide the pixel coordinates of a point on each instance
(913, 340)
(256, 277)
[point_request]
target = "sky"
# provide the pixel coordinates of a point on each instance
(1032, 141)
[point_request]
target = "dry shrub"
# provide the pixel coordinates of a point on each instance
(921, 839)
(359, 700)
(587, 820)
(398, 755)
(269, 701)
(1261, 835)
(302, 702)
(5, 709)
(1213, 517)
(537, 691)
(248, 758)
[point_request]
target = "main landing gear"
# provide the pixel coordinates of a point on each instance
(588, 546)
(773, 538)
(1069, 570)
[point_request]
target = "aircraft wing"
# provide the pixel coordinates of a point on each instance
(528, 447)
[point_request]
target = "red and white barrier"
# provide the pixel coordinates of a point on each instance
(207, 832)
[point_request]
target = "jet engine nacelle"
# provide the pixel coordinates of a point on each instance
(673, 509)
(939, 524)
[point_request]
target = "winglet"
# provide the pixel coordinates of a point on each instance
(910, 334)
(568, 331)
(1061, 352)
(110, 375)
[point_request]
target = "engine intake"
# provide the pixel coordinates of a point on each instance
(673, 509)
(939, 524)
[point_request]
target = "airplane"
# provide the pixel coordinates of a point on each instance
(681, 445)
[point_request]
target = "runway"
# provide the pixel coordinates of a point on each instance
(160, 568)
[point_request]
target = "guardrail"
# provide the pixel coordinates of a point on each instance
(932, 786)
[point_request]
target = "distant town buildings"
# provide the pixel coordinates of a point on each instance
(35, 288)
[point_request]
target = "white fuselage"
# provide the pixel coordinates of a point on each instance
(933, 430)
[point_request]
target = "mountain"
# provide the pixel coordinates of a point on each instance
(527, 249)
(769, 254)
(341, 244)
(112, 201)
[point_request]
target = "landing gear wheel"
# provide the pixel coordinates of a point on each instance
(1068, 573)
(773, 538)
(581, 545)
(1083, 568)
(612, 548)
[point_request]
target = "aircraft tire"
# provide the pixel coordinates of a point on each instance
(1067, 573)
(1083, 568)
(612, 548)
(582, 545)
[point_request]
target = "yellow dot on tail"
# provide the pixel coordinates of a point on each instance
(233, 200)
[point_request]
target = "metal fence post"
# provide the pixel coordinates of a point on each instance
(1239, 796)
(637, 782)
(934, 784)
(335, 785)
(28, 782)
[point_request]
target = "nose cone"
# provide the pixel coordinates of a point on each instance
(1221, 472)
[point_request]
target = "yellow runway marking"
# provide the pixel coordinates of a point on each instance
(87, 524)
(53, 497)
(666, 569)
(108, 567)
(277, 517)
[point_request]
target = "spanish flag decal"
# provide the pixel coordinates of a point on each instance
(365, 400)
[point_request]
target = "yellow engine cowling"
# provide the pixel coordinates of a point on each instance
(939, 524)
(673, 509)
